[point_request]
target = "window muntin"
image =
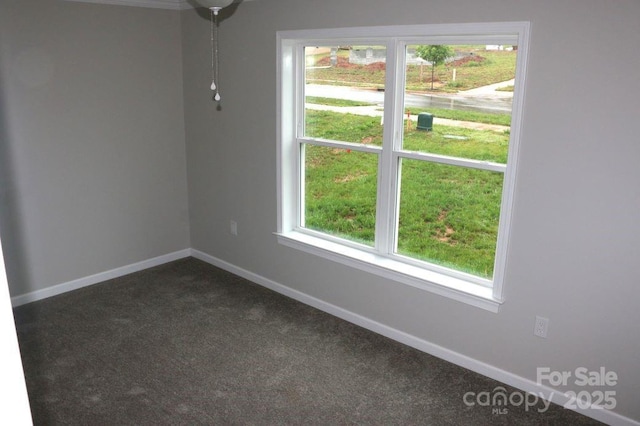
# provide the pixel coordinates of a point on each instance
(390, 250)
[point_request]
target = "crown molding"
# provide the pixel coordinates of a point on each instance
(156, 4)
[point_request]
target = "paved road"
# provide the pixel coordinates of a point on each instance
(482, 100)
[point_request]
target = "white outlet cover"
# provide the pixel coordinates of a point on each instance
(541, 327)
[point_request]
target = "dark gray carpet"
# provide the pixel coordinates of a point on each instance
(187, 343)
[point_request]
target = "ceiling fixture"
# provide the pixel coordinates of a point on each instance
(215, 6)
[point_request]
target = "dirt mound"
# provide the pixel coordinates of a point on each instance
(376, 66)
(344, 63)
(466, 60)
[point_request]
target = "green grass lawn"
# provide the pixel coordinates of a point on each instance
(509, 88)
(335, 102)
(455, 114)
(448, 215)
(451, 114)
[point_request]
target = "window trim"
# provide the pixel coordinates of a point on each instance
(470, 289)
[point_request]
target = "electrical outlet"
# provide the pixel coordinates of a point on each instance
(541, 327)
(233, 225)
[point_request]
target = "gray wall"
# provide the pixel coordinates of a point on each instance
(93, 167)
(93, 177)
(576, 235)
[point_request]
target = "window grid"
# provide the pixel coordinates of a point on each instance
(389, 165)
(291, 51)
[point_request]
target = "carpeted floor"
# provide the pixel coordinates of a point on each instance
(187, 343)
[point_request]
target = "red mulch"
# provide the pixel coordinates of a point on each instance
(344, 63)
(466, 60)
(381, 66)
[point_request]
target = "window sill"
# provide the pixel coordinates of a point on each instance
(434, 282)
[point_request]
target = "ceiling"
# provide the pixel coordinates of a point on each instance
(158, 4)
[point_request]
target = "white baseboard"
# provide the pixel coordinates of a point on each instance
(97, 278)
(521, 383)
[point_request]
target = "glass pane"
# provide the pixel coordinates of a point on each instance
(449, 215)
(342, 85)
(340, 192)
(458, 100)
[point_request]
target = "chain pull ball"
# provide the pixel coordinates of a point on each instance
(214, 51)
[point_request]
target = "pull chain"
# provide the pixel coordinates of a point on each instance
(214, 53)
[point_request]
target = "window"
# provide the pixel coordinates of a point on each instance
(397, 156)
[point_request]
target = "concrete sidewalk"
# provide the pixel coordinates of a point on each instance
(490, 90)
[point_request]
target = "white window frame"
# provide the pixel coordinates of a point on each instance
(470, 289)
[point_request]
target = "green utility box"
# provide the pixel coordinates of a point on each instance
(425, 121)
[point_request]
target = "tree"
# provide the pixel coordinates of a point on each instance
(434, 53)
